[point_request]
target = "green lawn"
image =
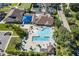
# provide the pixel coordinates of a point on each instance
(6, 8)
(77, 22)
(12, 44)
(3, 27)
(74, 17)
(25, 5)
(77, 42)
(13, 4)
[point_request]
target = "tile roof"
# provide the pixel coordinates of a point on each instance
(43, 20)
(16, 13)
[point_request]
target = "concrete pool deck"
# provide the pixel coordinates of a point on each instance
(34, 44)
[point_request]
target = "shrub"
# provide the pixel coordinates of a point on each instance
(68, 13)
(54, 12)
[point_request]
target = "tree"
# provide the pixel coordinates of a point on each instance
(55, 5)
(77, 15)
(58, 23)
(64, 6)
(68, 13)
(63, 38)
(19, 31)
(71, 21)
(74, 6)
(54, 12)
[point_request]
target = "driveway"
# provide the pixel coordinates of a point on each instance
(63, 19)
(4, 40)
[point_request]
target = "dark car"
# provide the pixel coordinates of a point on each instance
(0, 42)
(7, 33)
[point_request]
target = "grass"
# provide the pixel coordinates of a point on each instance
(77, 42)
(74, 17)
(3, 27)
(25, 5)
(12, 44)
(13, 4)
(77, 22)
(6, 8)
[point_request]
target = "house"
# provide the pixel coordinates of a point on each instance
(43, 20)
(14, 15)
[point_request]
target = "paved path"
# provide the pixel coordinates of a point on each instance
(63, 19)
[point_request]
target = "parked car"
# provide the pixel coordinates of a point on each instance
(7, 33)
(0, 42)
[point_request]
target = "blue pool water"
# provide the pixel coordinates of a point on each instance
(43, 34)
(26, 19)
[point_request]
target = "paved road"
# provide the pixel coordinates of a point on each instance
(63, 19)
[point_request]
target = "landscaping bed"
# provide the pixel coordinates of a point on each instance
(13, 45)
(24, 5)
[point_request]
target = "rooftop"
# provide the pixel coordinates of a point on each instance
(13, 14)
(43, 19)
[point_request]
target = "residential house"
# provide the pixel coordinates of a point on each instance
(14, 15)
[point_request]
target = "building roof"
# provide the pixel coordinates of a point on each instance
(15, 14)
(50, 49)
(43, 20)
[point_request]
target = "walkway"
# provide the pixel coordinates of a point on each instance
(63, 19)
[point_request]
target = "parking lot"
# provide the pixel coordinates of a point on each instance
(4, 38)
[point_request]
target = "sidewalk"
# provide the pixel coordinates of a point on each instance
(63, 19)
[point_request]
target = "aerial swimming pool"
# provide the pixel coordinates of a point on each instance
(26, 19)
(43, 34)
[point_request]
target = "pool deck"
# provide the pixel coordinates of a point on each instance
(34, 44)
